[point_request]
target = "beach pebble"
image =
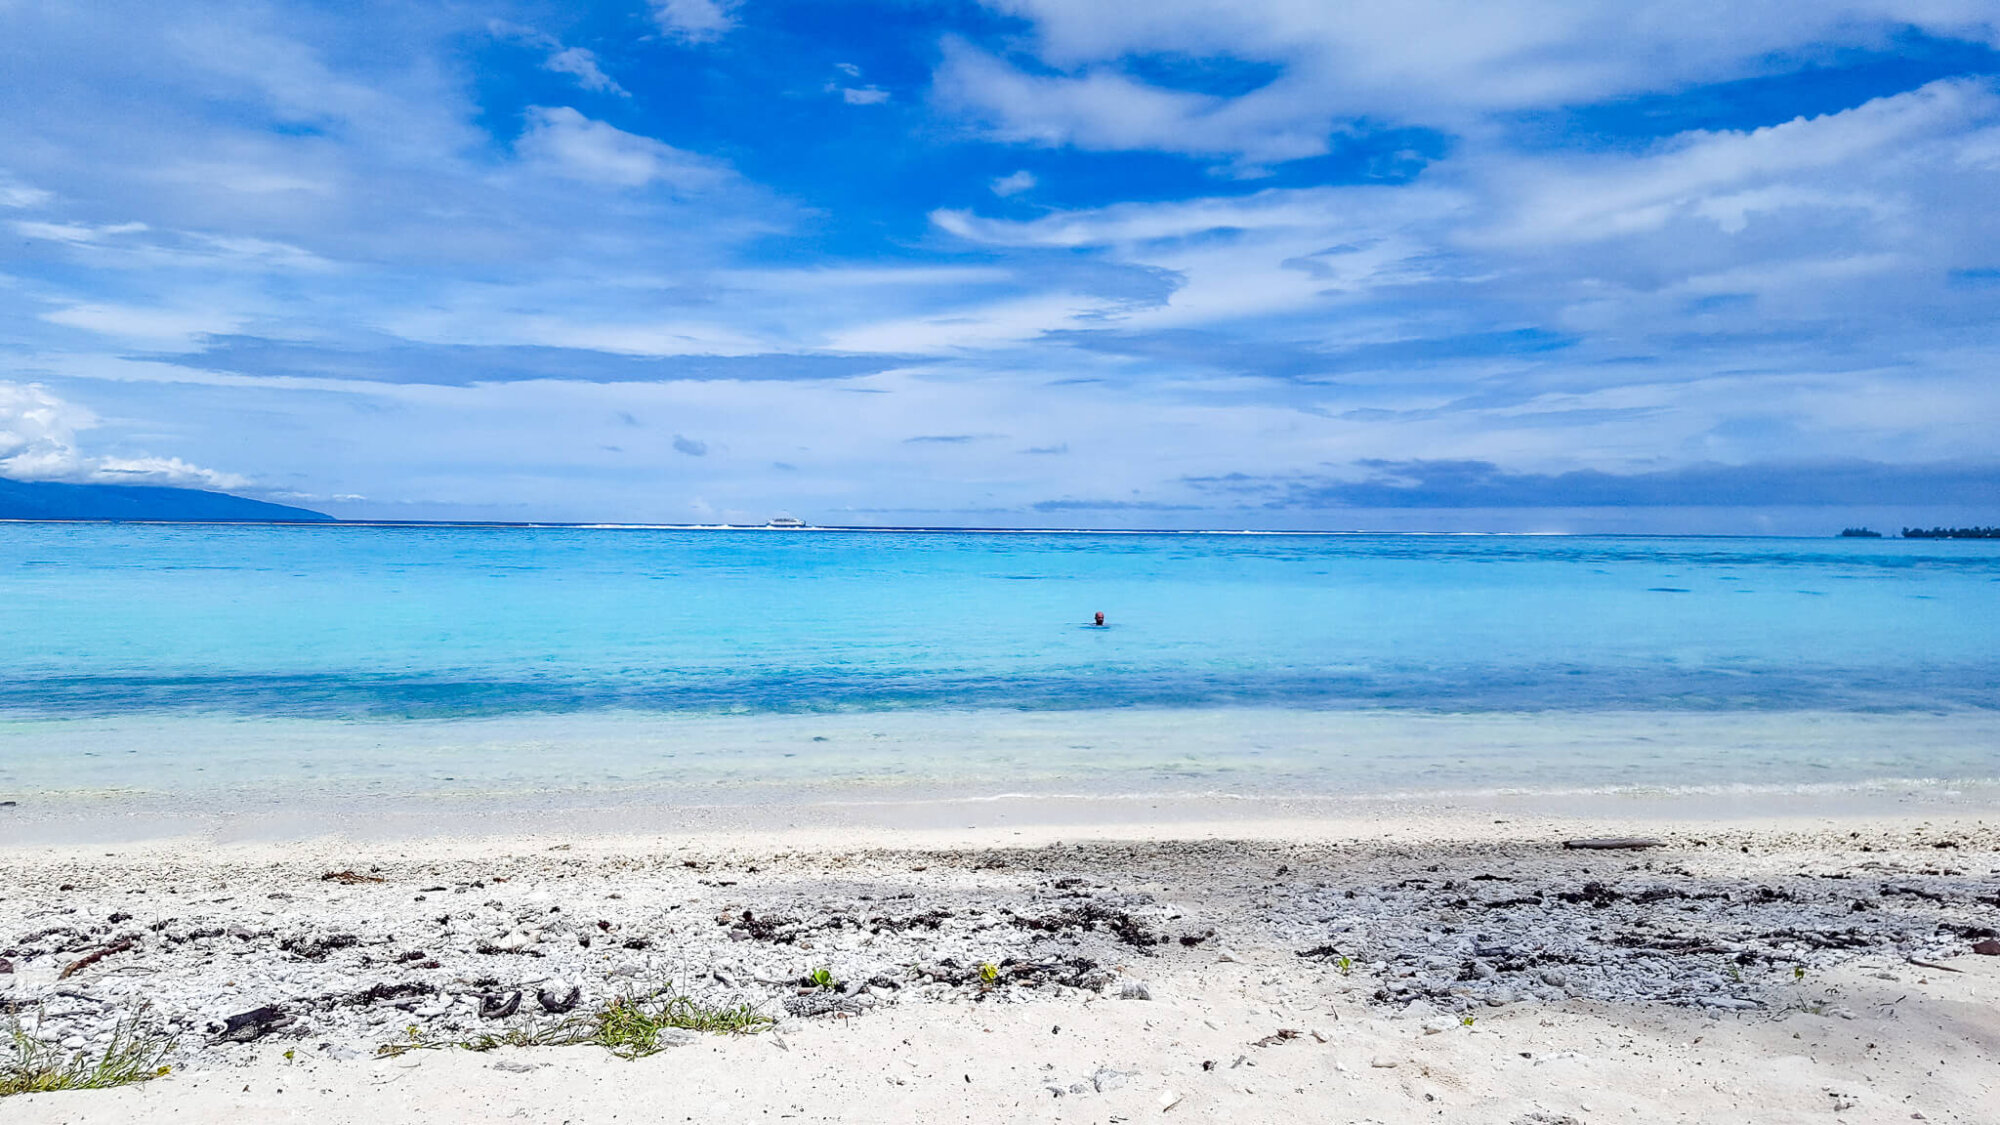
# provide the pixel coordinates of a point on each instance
(73, 1043)
(1107, 1080)
(1136, 990)
(1437, 1024)
(1382, 1062)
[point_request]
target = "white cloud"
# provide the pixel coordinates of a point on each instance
(696, 21)
(1846, 223)
(577, 62)
(581, 64)
(154, 327)
(13, 193)
(1446, 63)
(1014, 183)
(76, 233)
(571, 145)
(865, 95)
(1837, 161)
(38, 443)
(1100, 109)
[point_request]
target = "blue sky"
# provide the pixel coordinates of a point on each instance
(1229, 263)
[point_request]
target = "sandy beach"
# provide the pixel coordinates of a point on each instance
(1447, 966)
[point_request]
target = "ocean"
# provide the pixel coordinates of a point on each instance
(202, 665)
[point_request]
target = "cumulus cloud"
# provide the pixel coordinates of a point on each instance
(690, 446)
(566, 143)
(864, 95)
(695, 21)
(38, 443)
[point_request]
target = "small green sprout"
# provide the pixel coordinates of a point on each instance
(1465, 1021)
(989, 972)
(1345, 965)
(822, 978)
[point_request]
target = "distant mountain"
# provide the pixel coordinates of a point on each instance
(48, 500)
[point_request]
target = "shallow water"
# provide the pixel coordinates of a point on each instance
(345, 661)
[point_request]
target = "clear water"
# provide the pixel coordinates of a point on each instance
(601, 656)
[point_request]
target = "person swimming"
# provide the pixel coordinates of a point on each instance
(1100, 619)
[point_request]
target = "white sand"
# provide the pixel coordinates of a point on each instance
(1863, 1036)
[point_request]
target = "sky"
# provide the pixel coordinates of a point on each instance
(1531, 265)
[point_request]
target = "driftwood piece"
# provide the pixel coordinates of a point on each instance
(349, 878)
(122, 945)
(1611, 843)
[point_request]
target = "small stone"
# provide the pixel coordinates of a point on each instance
(515, 942)
(1107, 1080)
(1500, 998)
(1168, 1100)
(1382, 1062)
(1136, 990)
(73, 1043)
(1989, 947)
(1439, 1024)
(1228, 956)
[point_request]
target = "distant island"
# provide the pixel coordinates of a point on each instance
(52, 500)
(1951, 533)
(1859, 533)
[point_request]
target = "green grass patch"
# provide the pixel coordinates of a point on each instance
(136, 1052)
(628, 1026)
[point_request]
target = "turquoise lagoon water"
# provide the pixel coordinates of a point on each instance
(365, 659)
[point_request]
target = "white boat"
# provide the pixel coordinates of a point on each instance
(785, 521)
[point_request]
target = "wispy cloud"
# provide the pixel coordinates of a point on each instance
(581, 63)
(696, 21)
(568, 144)
(1014, 183)
(1483, 484)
